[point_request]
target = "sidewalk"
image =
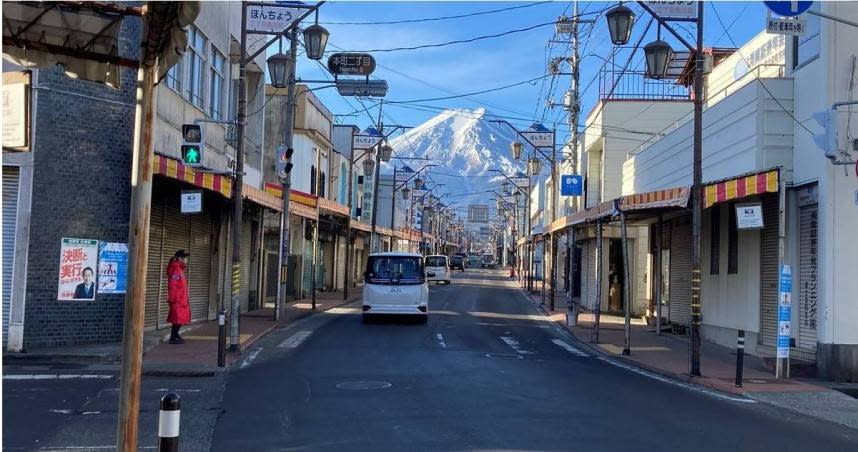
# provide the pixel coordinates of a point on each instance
(668, 355)
(198, 355)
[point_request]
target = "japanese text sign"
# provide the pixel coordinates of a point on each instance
(270, 19)
(78, 259)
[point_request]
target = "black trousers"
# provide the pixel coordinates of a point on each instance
(174, 333)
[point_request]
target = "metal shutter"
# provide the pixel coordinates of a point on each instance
(154, 270)
(176, 229)
(588, 289)
(246, 251)
(199, 265)
(808, 280)
(769, 272)
(10, 218)
(679, 304)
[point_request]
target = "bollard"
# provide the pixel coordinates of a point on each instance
(168, 423)
(740, 357)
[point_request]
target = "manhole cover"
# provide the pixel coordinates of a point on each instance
(360, 385)
(503, 356)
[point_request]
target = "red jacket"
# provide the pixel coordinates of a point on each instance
(177, 294)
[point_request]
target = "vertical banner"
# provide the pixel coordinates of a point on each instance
(78, 258)
(112, 267)
(784, 308)
(366, 210)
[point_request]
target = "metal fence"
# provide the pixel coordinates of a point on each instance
(633, 85)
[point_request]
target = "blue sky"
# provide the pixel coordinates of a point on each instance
(489, 63)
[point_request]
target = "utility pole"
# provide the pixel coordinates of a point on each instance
(373, 240)
(288, 141)
(349, 245)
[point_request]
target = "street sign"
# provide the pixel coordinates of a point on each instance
(270, 18)
(788, 8)
(351, 64)
(362, 88)
(362, 142)
(520, 182)
(572, 185)
(674, 9)
(786, 26)
(784, 314)
(540, 139)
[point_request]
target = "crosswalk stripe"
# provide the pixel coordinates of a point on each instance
(513, 344)
(569, 348)
(295, 340)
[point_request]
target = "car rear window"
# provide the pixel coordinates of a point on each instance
(394, 270)
(456, 259)
(436, 261)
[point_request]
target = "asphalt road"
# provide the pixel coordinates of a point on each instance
(486, 372)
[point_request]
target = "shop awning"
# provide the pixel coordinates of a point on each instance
(333, 207)
(262, 198)
(361, 226)
(668, 198)
(295, 195)
(168, 167)
(384, 231)
(740, 187)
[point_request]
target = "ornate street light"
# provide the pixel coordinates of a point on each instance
(534, 166)
(620, 21)
(505, 186)
(385, 153)
(657, 57)
(406, 193)
(280, 68)
(517, 196)
(516, 147)
(418, 183)
(368, 166)
(315, 40)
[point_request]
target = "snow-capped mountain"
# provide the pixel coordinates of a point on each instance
(464, 145)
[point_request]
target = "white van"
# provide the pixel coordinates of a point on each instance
(395, 283)
(438, 269)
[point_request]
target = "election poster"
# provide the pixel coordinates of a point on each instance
(78, 259)
(112, 267)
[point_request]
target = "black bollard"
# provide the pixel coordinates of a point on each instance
(740, 357)
(168, 423)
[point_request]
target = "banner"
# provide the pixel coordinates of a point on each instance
(784, 311)
(366, 210)
(112, 267)
(78, 258)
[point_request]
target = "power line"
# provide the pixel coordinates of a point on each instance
(431, 19)
(469, 94)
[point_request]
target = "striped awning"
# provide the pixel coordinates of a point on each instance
(166, 166)
(262, 198)
(295, 195)
(329, 206)
(740, 187)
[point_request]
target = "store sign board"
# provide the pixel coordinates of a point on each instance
(192, 201)
(749, 216)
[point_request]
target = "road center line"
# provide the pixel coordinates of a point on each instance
(569, 348)
(441, 340)
(513, 344)
(295, 340)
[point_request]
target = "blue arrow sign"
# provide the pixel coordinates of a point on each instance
(571, 185)
(788, 9)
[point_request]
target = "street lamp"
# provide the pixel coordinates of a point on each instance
(418, 183)
(406, 193)
(517, 196)
(657, 55)
(517, 147)
(368, 166)
(315, 40)
(385, 153)
(534, 166)
(280, 67)
(620, 21)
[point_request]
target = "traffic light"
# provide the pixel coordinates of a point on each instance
(193, 143)
(827, 139)
(284, 166)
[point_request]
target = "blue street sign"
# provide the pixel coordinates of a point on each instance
(571, 185)
(788, 9)
(784, 314)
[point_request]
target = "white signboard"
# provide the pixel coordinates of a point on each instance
(270, 19)
(539, 139)
(366, 209)
(676, 9)
(786, 26)
(192, 201)
(14, 115)
(521, 182)
(749, 216)
(78, 259)
(365, 141)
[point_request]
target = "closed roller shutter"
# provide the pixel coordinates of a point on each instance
(176, 229)
(10, 218)
(769, 272)
(154, 270)
(679, 303)
(246, 265)
(588, 291)
(199, 265)
(807, 280)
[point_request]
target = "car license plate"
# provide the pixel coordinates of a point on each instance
(394, 289)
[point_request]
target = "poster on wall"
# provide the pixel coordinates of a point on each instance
(112, 267)
(78, 258)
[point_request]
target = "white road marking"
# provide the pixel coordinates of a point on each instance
(676, 382)
(55, 376)
(513, 344)
(441, 340)
(174, 390)
(569, 348)
(55, 411)
(295, 340)
(251, 357)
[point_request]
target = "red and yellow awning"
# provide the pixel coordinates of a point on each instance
(740, 187)
(295, 195)
(175, 169)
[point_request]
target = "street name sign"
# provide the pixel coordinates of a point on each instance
(674, 9)
(363, 142)
(351, 64)
(270, 18)
(540, 139)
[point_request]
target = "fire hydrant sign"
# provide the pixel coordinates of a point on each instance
(784, 308)
(78, 261)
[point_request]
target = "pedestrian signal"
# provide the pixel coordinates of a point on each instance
(193, 143)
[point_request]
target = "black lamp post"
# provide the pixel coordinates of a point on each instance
(516, 147)
(315, 41)
(280, 67)
(620, 22)
(657, 55)
(386, 152)
(368, 166)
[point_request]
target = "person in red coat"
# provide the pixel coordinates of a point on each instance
(177, 295)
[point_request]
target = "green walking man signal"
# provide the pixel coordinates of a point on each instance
(193, 143)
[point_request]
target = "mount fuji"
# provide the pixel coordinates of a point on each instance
(464, 145)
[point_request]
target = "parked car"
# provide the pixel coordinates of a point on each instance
(487, 260)
(395, 283)
(437, 269)
(457, 262)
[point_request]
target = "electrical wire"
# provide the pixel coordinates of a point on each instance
(431, 19)
(499, 88)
